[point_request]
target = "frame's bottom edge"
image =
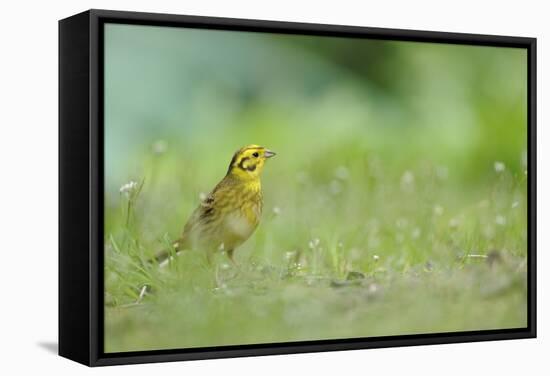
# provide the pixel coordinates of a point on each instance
(311, 347)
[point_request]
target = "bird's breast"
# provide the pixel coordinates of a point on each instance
(243, 220)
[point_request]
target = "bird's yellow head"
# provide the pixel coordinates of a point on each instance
(248, 162)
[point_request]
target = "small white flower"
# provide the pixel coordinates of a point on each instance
(128, 188)
(373, 288)
(438, 210)
(202, 196)
(159, 147)
(500, 220)
(375, 257)
(416, 233)
(314, 243)
(342, 173)
(515, 204)
(276, 210)
(499, 166)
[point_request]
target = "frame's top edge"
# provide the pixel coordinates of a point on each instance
(290, 27)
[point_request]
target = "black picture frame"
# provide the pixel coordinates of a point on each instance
(81, 186)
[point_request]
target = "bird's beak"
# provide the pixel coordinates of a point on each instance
(268, 153)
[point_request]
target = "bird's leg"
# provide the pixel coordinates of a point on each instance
(230, 256)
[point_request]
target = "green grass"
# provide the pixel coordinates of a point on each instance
(360, 247)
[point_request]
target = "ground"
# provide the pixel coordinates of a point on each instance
(356, 253)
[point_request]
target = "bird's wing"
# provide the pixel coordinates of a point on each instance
(206, 214)
(201, 219)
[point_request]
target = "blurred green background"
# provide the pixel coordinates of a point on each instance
(396, 203)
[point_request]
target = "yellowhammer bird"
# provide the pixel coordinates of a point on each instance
(231, 212)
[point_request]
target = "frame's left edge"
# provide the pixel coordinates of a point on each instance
(96, 189)
(74, 185)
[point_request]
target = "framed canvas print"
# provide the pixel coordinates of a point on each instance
(235, 187)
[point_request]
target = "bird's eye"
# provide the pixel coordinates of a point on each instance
(256, 155)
